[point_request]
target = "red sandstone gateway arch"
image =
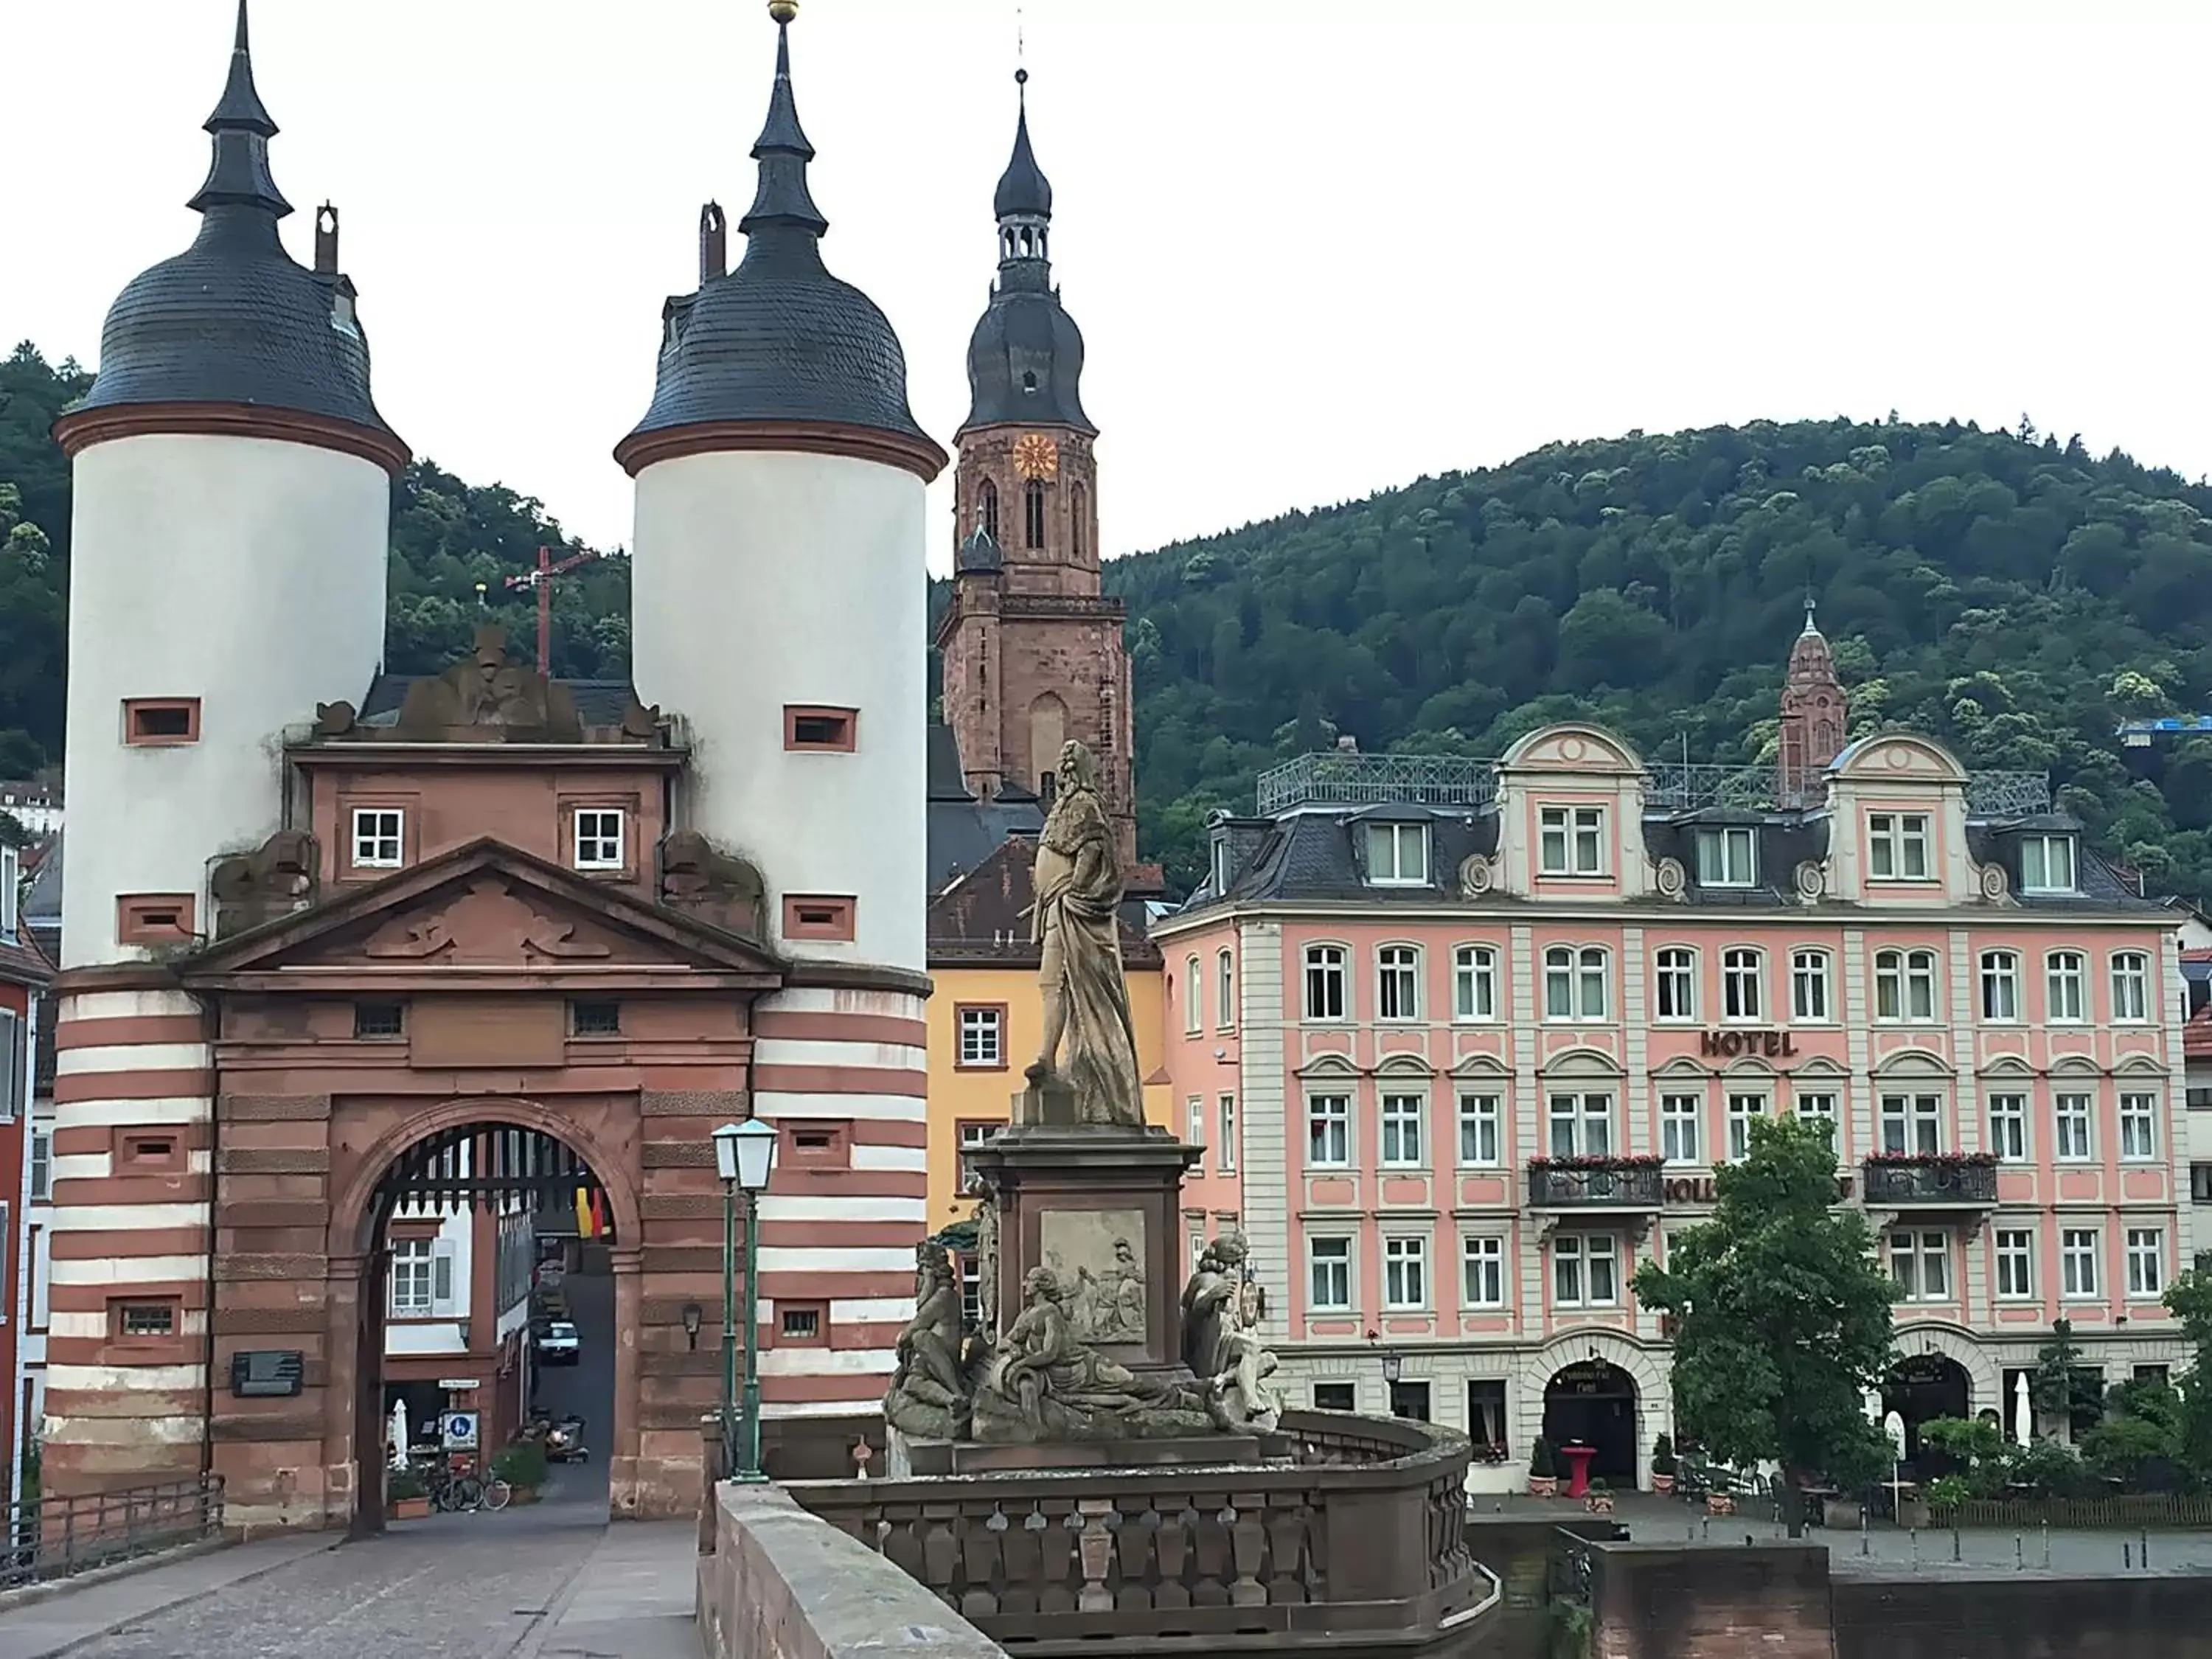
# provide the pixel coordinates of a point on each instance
(505, 1158)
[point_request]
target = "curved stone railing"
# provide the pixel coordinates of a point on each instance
(1361, 1529)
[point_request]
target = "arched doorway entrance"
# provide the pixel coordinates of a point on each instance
(1593, 1403)
(486, 1294)
(1920, 1389)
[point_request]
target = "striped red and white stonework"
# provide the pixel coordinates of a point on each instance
(841, 1235)
(133, 1106)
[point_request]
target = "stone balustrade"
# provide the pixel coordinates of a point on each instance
(1361, 1528)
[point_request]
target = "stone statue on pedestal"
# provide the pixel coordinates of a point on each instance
(1240, 1398)
(1046, 1386)
(1210, 1305)
(1076, 922)
(928, 1396)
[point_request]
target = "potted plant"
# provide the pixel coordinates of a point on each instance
(522, 1466)
(1598, 1498)
(405, 1497)
(1543, 1471)
(1719, 1500)
(1662, 1464)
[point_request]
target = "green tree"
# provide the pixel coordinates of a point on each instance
(2190, 1299)
(1781, 1316)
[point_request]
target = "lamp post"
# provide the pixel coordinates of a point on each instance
(744, 1156)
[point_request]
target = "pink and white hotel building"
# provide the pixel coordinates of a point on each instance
(1465, 1041)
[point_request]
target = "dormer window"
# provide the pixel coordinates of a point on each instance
(1727, 857)
(1571, 842)
(1397, 854)
(1897, 846)
(1220, 866)
(2046, 864)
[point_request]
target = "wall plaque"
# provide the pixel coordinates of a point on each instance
(267, 1373)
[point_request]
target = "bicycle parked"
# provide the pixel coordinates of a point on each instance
(452, 1492)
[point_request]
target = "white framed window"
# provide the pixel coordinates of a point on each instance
(2138, 1126)
(380, 840)
(2065, 983)
(2146, 1260)
(1474, 982)
(1742, 1111)
(1325, 997)
(2008, 1128)
(1224, 990)
(1743, 977)
(2131, 1001)
(2071, 1116)
(1727, 857)
(1485, 1269)
(972, 1136)
(1897, 846)
(1904, 985)
(982, 1036)
(1481, 1132)
(1912, 1125)
(1329, 1132)
(1674, 982)
(1397, 854)
(2000, 985)
(1406, 1273)
(42, 1165)
(599, 838)
(1818, 1108)
(1224, 1155)
(1571, 841)
(1574, 982)
(2015, 1259)
(1398, 983)
(2077, 1262)
(1679, 1141)
(1809, 988)
(1193, 1012)
(1581, 1126)
(2046, 864)
(1920, 1263)
(1401, 1131)
(1195, 1117)
(1328, 1266)
(421, 1278)
(1585, 1270)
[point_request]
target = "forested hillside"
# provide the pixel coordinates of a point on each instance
(2006, 592)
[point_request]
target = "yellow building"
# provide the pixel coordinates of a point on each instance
(986, 1017)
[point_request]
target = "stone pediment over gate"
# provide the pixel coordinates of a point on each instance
(481, 908)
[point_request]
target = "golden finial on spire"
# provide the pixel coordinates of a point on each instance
(783, 10)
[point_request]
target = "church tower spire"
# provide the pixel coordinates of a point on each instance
(1814, 711)
(1032, 649)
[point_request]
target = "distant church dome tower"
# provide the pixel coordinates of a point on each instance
(1814, 717)
(1032, 651)
(231, 484)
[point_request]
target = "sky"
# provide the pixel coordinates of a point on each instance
(1314, 250)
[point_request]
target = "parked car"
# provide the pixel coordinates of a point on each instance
(558, 1344)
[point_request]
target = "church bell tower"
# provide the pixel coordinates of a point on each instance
(1032, 649)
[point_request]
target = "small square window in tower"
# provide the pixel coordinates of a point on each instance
(599, 838)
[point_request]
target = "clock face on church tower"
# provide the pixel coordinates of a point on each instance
(1036, 456)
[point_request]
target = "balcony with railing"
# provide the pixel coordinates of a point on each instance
(1931, 1180)
(1594, 1183)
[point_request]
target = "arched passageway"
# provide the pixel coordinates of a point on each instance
(1593, 1403)
(486, 1292)
(1919, 1389)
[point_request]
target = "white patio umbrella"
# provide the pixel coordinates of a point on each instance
(399, 1434)
(2023, 1412)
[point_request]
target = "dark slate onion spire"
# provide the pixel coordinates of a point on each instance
(1023, 190)
(238, 176)
(782, 151)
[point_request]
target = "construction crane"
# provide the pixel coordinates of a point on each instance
(541, 579)
(2141, 734)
